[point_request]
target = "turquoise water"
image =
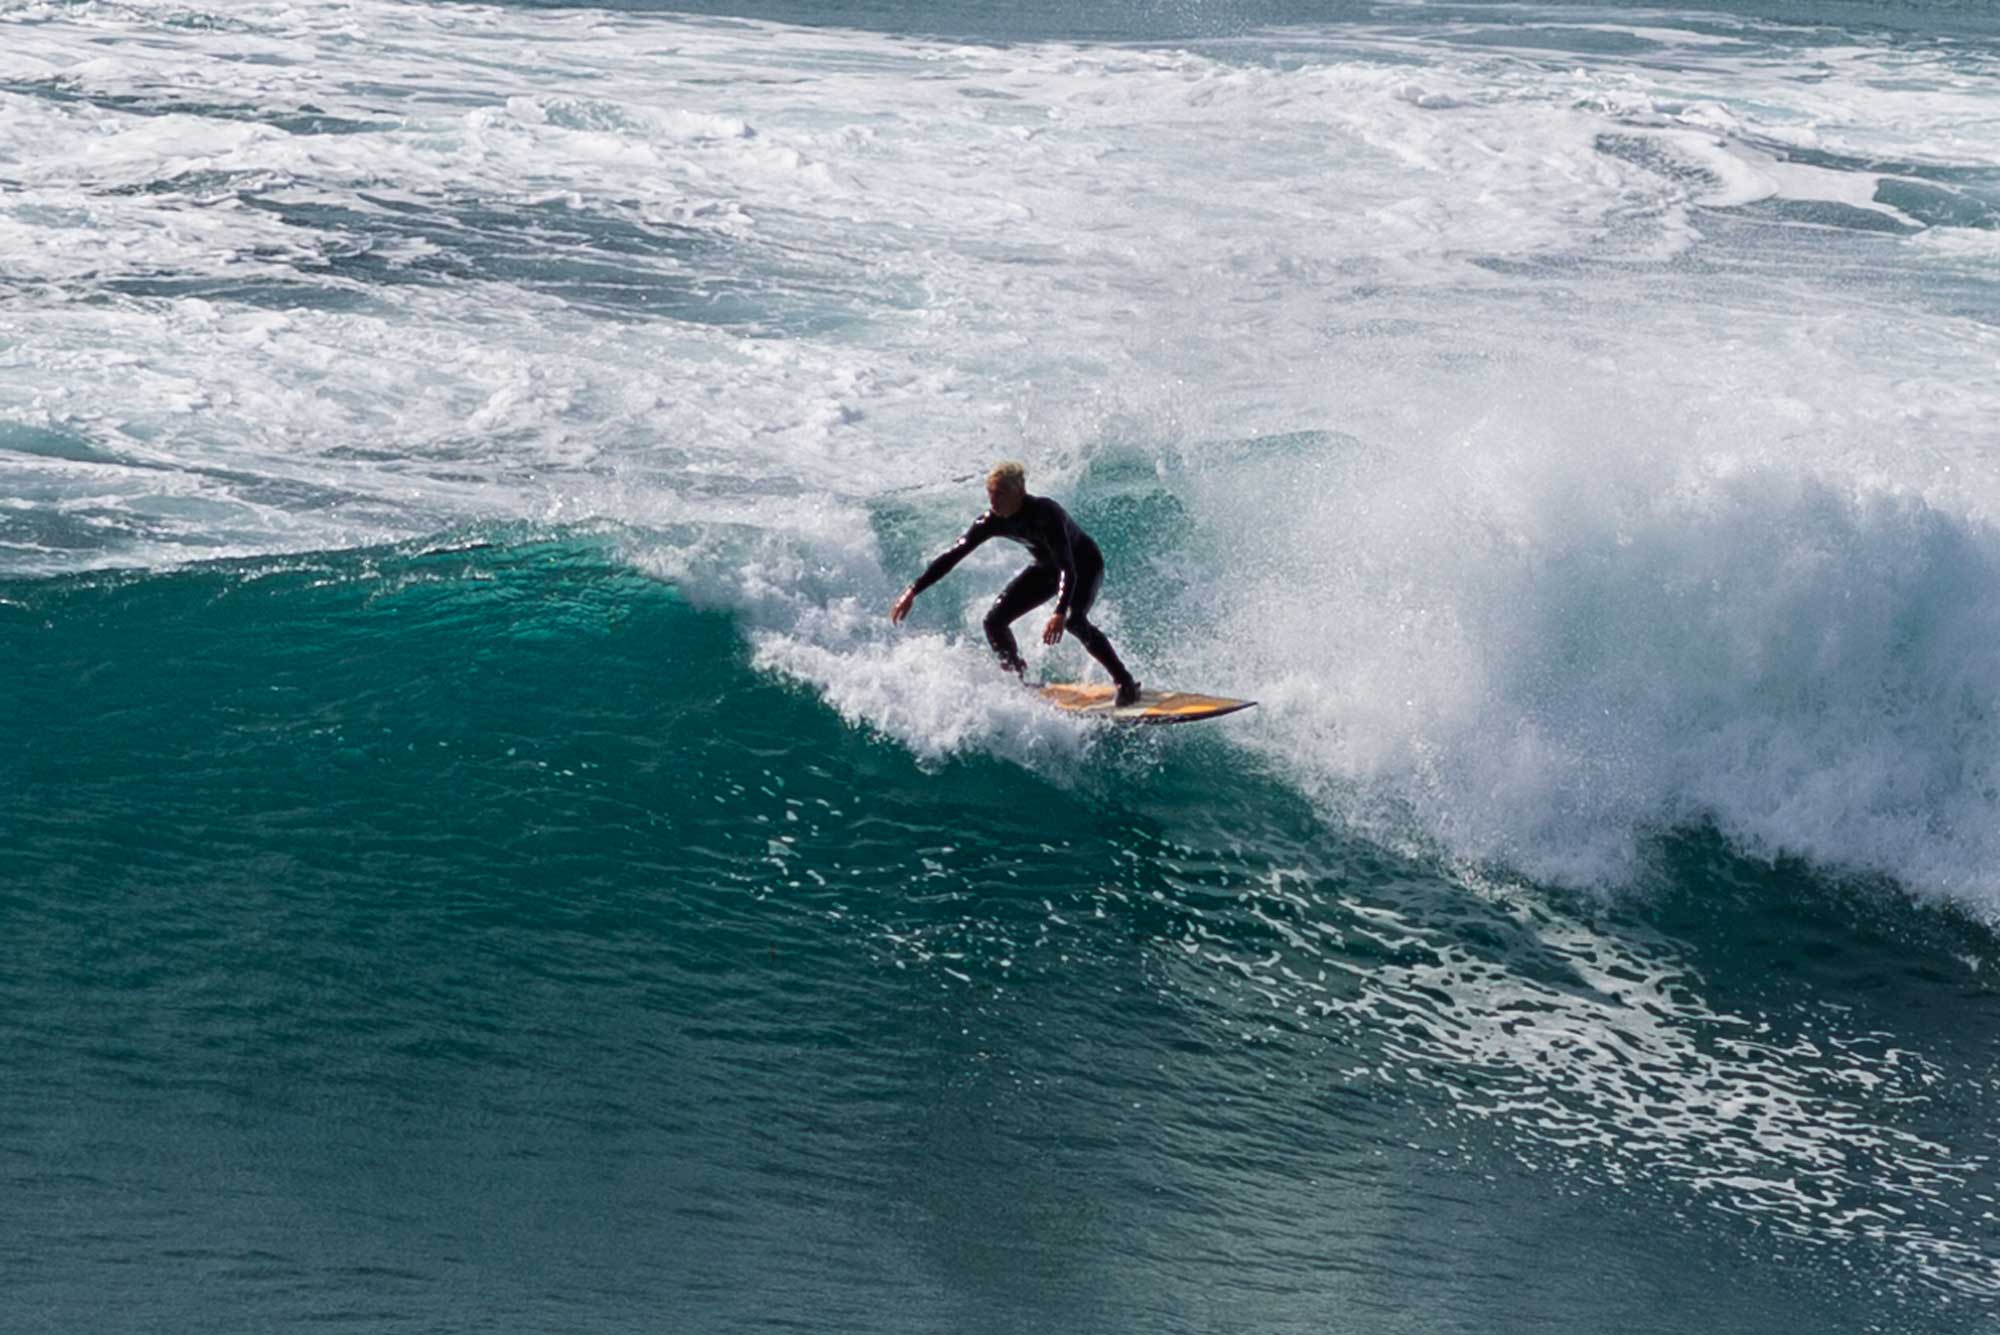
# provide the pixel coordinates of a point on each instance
(434, 938)
(477, 857)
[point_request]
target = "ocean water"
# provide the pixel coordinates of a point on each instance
(475, 855)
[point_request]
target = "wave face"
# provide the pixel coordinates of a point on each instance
(398, 926)
(464, 791)
(1361, 403)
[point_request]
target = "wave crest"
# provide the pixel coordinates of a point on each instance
(1547, 682)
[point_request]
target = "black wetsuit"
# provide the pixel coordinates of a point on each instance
(1068, 567)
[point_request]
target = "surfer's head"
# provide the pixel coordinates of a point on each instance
(1007, 487)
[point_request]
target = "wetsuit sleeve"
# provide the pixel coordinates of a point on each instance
(980, 531)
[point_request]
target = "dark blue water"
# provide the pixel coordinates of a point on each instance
(1198, 20)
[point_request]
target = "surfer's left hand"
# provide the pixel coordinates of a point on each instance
(1053, 631)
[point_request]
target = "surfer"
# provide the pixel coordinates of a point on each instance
(1067, 567)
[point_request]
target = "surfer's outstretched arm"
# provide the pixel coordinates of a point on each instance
(980, 531)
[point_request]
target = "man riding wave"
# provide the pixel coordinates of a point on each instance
(1067, 566)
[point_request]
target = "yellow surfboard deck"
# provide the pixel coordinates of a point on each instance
(1152, 706)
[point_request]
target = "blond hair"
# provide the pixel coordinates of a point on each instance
(1009, 476)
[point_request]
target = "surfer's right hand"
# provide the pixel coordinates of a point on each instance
(902, 607)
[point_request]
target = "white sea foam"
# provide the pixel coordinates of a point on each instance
(1649, 490)
(1550, 677)
(1613, 1073)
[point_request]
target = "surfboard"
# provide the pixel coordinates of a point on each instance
(1151, 707)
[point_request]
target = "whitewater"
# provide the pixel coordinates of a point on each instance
(1572, 423)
